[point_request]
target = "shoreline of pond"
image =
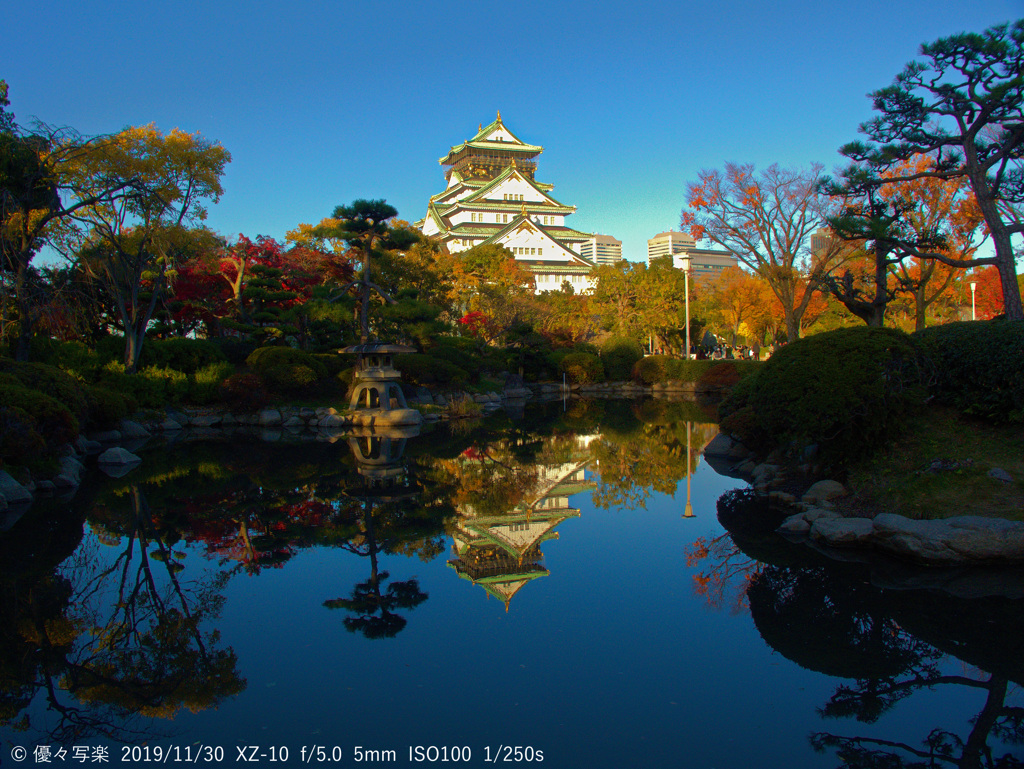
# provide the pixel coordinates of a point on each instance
(810, 509)
(112, 450)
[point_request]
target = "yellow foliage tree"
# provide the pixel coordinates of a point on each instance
(132, 244)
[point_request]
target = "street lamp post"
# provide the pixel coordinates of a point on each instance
(685, 261)
(973, 287)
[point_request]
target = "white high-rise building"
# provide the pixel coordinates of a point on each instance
(601, 249)
(704, 262)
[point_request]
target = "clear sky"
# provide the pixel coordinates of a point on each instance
(321, 102)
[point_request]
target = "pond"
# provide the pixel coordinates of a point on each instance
(553, 588)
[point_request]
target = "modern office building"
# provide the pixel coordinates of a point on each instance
(493, 197)
(601, 249)
(704, 262)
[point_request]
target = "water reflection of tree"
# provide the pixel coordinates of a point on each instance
(941, 747)
(724, 569)
(385, 525)
(123, 637)
(645, 451)
(888, 644)
(826, 621)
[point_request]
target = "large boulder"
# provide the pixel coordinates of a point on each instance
(13, 491)
(130, 429)
(270, 418)
(963, 539)
(117, 456)
(823, 491)
(841, 532)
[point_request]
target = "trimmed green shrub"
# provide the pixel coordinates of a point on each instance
(420, 369)
(651, 369)
(107, 407)
(289, 379)
(334, 363)
(723, 375)
(110, 348)
(244, 391)
(205, 383)
(52, 419)
(585, 347)
(20, 441)
(68, 356)
(665, 368)
(151, 388)
(977, 367)
(460, 352)
(52, 382)
(234, 349)
(582, 368)
(180, 354)
(262, 359)
(619, 356)
(347, 376)
(846, 390)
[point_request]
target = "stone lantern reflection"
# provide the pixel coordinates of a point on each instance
(378, 454)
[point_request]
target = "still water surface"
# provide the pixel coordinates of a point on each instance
(532, 583)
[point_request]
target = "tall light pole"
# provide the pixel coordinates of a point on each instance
(973, 287)
(685, 261)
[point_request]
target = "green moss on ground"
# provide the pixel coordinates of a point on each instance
(939, 468)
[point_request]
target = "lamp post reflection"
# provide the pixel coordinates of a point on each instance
(688, 511)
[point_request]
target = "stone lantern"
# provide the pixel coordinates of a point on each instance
(377, 397)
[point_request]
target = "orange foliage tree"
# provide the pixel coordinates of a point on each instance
(944, 206)
(766, 220)
(736, 298)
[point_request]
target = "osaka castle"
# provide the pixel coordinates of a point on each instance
(493, 197)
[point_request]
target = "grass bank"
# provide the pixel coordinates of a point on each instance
(939, 468)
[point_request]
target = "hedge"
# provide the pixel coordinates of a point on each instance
(20, 440)
(977, 366)
(107, 407)
(619, 356)
(53, 421)
(582, 368)
(846, 390)
(50, 381)
(665, 368)
(264, 358)
(420, 369)
(181, 354)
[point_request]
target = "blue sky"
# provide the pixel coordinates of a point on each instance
(322, 102)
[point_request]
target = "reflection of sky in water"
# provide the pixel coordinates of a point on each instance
(610, 660)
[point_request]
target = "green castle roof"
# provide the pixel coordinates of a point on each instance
(480, 142)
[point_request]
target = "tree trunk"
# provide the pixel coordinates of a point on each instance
(132, 348)
(920, 319)
(1008, 279)
(977, 175)
(26, 320)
